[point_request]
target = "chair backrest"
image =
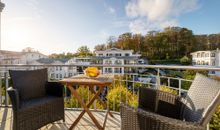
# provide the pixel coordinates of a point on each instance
(29, 83)
(201, 100)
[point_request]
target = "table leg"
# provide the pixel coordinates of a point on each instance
(85, 107)
(93, 91)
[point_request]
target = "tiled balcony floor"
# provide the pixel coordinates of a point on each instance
(70, 116)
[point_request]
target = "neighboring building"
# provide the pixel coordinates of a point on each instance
(13, 57)
(207, 58)
(54, 72)
(79, 62)
(116, 56)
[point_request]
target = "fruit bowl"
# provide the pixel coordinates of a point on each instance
(91, 72)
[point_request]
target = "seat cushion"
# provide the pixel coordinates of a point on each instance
(200, 99)
(37, 102)
(29, 83)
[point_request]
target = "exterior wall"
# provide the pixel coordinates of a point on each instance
(115, 56)
(113, 52)
(31, 56)
(10, 57)
(204, 58)
(207, 58)
(70, 71)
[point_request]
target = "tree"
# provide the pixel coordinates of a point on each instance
(185, 60)
(100, 47)
(83, 51)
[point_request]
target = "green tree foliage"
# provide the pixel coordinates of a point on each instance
(121, 94)
(83, 51)
(169, 90)
(190, 75)
(185, 60)
(86, 94)
(215, 120)
(171, 43)
(67, 55)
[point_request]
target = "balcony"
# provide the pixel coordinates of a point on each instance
(70, 116)
(129, 83)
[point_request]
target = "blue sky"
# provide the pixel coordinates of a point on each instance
(56, 26)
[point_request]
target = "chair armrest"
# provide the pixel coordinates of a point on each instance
(150, 121)
(139, 119)
(14, 96)
(54, 89)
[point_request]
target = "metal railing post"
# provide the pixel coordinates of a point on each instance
(168, 82)
(180, 83)
(6, 87)
(0, 88)
(158, 78)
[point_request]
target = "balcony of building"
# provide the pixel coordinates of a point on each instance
(129, 81)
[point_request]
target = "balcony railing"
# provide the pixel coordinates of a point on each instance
(126, 84)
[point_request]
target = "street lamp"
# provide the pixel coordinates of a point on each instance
(2, 5)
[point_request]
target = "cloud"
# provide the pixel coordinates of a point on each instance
(157, 14)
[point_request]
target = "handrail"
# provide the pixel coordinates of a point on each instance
(179, 67)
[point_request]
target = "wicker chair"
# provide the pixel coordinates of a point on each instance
(35, 101)
(159, 110)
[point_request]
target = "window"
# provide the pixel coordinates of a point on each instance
(52, 75)
(118, 54)
(203, 54)
(213, 63)
(127, 54)
(198, 55)
(60, 68)
(213, 55)
(198, 62)
(207, 55)
(57, 76)
(118, 62)
(100, 54)
(61, 76)
(109, 70)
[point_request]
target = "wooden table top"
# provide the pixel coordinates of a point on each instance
(101, 80)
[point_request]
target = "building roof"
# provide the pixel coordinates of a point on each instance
(51, 60)
(203, 51)
(113, 49)
(10, 53)
(117, 57)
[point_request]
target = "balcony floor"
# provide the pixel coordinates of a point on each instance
(70, 116)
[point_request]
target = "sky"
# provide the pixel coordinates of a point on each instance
(56, 26)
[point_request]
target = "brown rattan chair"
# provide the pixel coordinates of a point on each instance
(159, 110)
(35, 101)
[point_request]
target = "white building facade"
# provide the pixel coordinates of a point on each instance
(78, 65)
(116, 56)
(12, 57)
(207, 58)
